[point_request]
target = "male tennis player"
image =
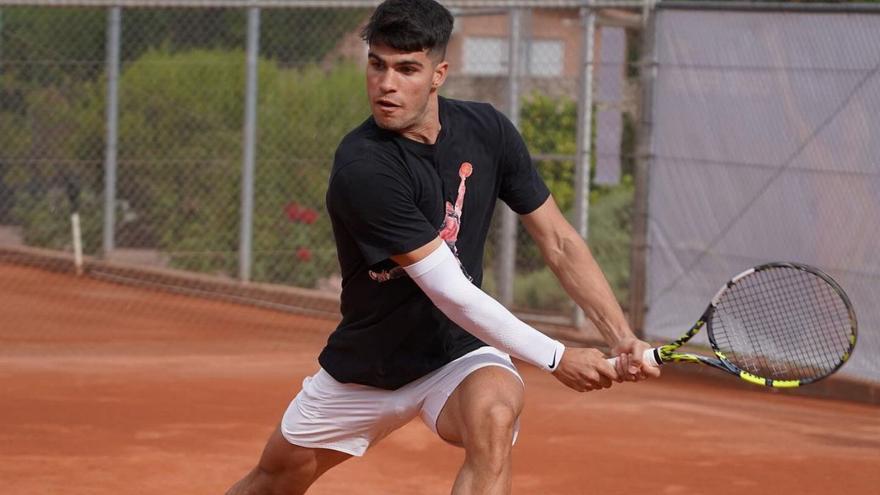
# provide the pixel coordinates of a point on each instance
(411, 196)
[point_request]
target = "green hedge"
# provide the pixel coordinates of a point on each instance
(180, 155)
(549, 126)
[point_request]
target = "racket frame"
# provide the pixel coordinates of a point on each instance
(667, 353)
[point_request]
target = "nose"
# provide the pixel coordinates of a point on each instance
(387, 84)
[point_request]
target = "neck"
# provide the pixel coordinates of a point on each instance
(428, 128)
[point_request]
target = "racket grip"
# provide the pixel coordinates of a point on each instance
(649, 356)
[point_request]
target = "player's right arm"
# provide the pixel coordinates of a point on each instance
(437, 272)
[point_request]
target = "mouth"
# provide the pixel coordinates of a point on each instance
(386, 104)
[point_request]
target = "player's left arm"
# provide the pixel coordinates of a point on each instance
(570, 259)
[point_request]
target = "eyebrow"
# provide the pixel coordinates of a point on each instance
(397, 64)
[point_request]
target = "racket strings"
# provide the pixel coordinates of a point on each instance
(752, 351)
(782, 323)
(760, 346)
(807, 325)
(802, 320)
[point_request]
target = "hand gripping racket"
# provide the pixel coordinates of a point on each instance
(777, 325)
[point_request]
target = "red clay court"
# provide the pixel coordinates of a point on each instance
(108, 389)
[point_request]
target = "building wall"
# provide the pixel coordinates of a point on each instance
(545, 72)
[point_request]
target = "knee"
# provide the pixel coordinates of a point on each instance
(492, 437)
(500, 420)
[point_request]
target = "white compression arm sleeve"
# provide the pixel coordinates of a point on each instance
(440, 277)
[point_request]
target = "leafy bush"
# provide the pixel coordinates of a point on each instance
(180, 149)
(610, 235)
(540, 289)
(191, 132)
(549, 126)
(292, 37)
(47, 160)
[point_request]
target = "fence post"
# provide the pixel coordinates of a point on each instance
(639, 244)
(1, 41)
(114, 29)
(584, 135)
(250, 134)
(507, 232)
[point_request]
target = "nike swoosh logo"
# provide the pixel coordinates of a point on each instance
(553, 364)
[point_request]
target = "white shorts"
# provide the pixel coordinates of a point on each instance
(350, 417)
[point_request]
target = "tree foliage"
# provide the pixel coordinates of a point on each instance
(180, 156)
(549, 126)
(70, 43)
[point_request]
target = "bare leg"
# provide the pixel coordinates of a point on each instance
(286, 468)
(480, 415)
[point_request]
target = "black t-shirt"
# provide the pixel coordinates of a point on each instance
(389, 195)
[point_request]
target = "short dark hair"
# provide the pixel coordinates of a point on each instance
(410, 26)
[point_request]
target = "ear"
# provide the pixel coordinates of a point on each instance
(439, 76)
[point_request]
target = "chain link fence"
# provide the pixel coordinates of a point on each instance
(137, 120)
(194, 144)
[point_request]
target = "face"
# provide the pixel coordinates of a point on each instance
(400, 86)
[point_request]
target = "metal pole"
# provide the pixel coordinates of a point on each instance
(250, 135)
(584, 135)
(114, 29)
(507, 231)
(639, 245)
(1, 41)
(647, 7)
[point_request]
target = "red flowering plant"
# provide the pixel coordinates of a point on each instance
(305, 253)
(300, 214)
(293, 237)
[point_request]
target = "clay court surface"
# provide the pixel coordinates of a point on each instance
(107, 389)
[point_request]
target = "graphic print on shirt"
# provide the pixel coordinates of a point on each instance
(449, 231)
(452, 223)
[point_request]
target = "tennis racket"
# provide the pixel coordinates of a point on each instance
(777, 325)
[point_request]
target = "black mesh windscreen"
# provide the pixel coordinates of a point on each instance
(784, 323)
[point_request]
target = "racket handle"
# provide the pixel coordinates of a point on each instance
(649, 356)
